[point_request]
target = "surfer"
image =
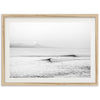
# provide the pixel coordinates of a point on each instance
(49, 59)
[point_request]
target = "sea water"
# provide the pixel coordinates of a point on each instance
(49, 63)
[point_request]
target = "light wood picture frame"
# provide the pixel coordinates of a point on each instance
(49, 49)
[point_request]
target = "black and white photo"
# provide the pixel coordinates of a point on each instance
(50, 49)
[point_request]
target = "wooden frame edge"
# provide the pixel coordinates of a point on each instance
(50, 15)
(96, 49)
(3, 49)
(3, 83)
(48, 84)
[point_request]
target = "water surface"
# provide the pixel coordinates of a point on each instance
(34, 63)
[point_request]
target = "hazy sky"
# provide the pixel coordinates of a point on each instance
(52, 32)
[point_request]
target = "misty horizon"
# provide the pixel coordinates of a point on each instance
(35, 45)
(52, 32)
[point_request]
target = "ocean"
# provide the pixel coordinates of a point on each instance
(49, 63)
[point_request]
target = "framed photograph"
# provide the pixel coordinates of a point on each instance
(50, 49)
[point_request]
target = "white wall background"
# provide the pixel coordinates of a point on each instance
(49, 92)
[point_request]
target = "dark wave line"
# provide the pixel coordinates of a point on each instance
(52, 56)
